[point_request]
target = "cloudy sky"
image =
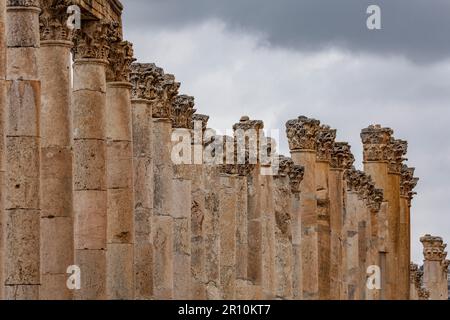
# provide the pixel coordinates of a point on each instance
(276, 60)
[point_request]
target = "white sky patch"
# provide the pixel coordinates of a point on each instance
(233, 73)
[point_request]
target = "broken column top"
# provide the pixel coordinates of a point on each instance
(325, 143)
(302, 133)
(341, 156)
(433, 248)
(246, 124)
(182, 111)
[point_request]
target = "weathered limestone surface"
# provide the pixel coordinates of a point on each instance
(56, 153)
(21, 218)
(113, 175)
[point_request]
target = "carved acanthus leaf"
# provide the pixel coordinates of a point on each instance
(341, 156)
(120, 60)
(53, 20)
(302, 133)
(375, 140)
(182, 111)
(325, 142)
(146, 79)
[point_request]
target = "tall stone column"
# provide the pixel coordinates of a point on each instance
(302, 134)
(182, 112)
(396, 151)
(2, 132)
(120, 189)
(435, 267)
(296, 174)
(146, 80)
(247, 144)
(376, 140)
(351, 240)
(163, 219)
(55, 72)
(407, 184)
(341, 160)
(198, 211)
(22, 185)
(89, 151)
(325, 141)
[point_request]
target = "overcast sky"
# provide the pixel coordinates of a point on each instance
(276, 60)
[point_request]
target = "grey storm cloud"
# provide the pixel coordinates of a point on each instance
(416, 29)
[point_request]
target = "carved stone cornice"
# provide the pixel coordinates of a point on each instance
(396, 150)
(182, 111)
(146, 80)
(200, 117)
(375, 140)
(433, 248)
(302, 133)
(53, 20)
(341, 156)
(162, 108)
(120, 59)
(325, 142)
(93, 40)
(23, 3)
(296, 175)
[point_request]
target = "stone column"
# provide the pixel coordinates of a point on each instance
(198, 211)
(341, 160)
(119, 157)
(145, 79)
(182, 112)
(55, 72)
(325, 141)
(375, 201)
(302, 134)
(247, 146)
(163, 219)
(351, 242)
(395, 153)
(2, 132)
(296, 174)
(435, 267)
(375, 140)
(22, 185)
(407, 184)
(89, 151)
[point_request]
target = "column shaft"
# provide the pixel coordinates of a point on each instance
(22, 186)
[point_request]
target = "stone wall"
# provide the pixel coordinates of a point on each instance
(118, 181)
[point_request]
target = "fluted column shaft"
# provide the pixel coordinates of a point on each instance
(22, 190)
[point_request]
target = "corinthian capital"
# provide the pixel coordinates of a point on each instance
(93, 40)
(341, 156)
(375, 140)
(325, 141)
(200, 117)
(376, 199)
(53, 20)
(433, 248)
(296, 175)
(396, 150)
(120, 59)
(146, 79)
(182, 111)
(408, 182)
(283, 167)
(162, 108)
(302, 133)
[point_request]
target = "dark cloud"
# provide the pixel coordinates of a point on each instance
(417, 29)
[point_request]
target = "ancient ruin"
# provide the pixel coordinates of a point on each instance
(90, 191)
